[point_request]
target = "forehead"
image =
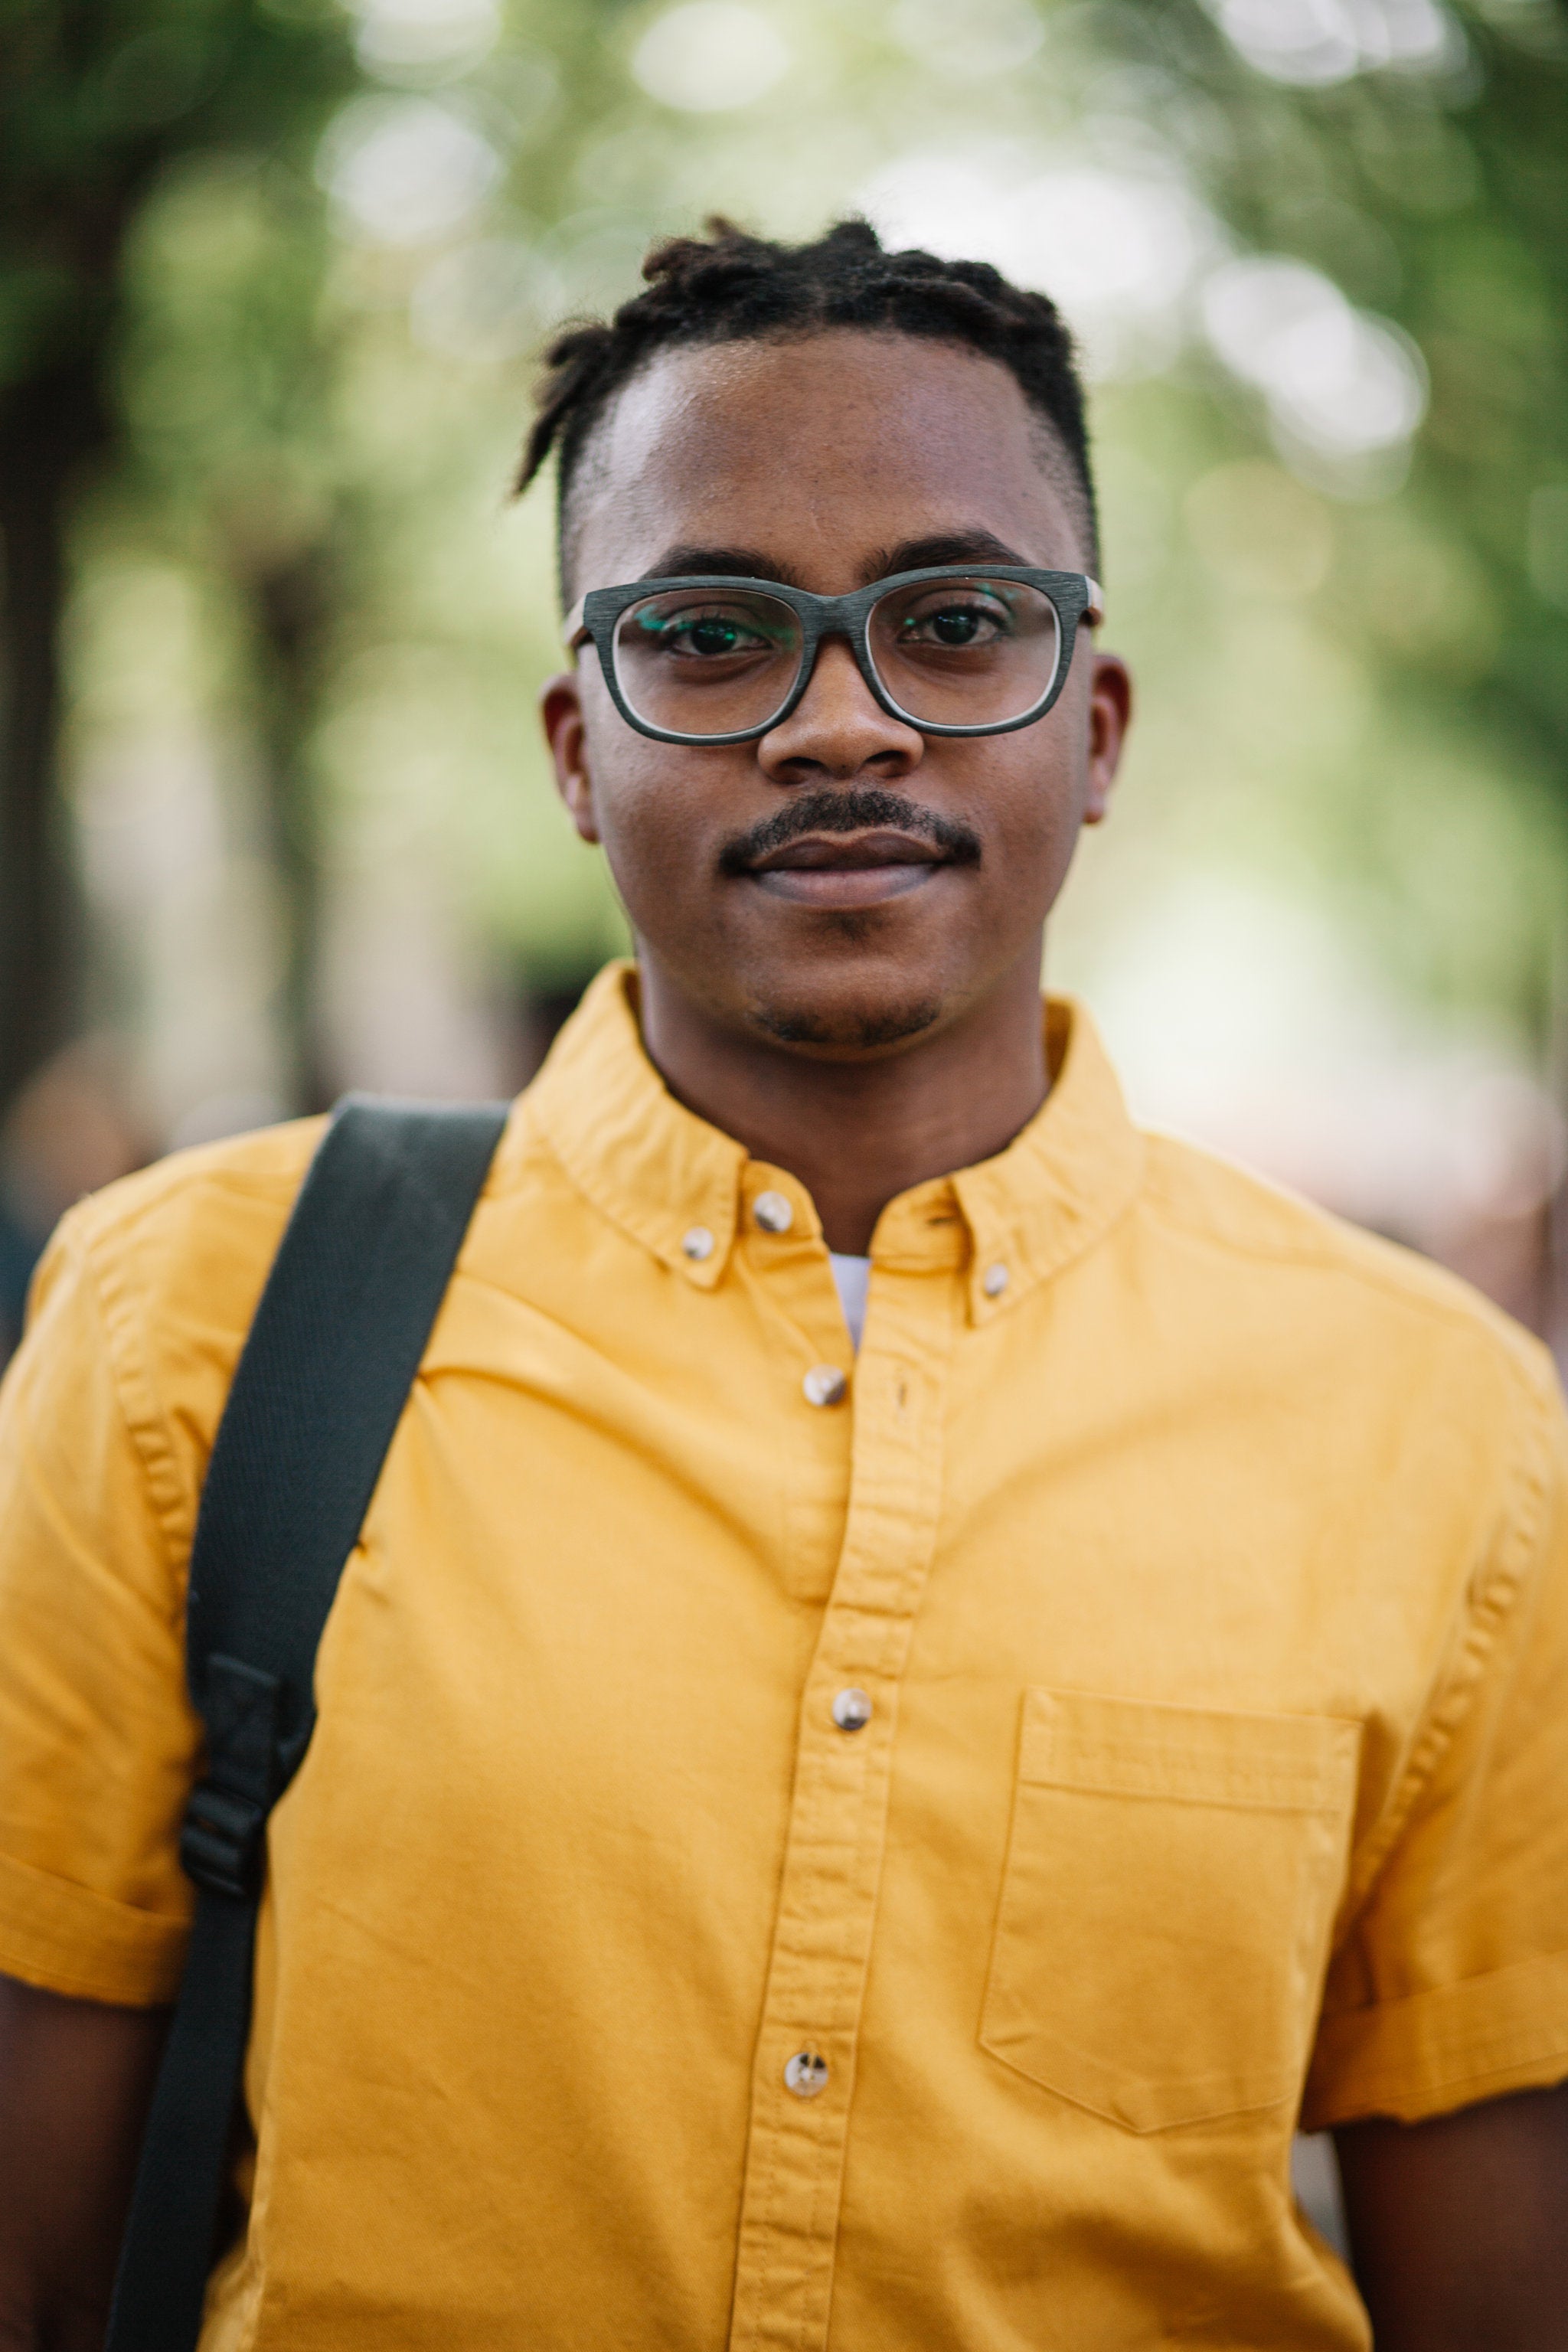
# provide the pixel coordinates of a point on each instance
(820, 451)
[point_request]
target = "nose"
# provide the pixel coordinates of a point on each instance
(838, 730)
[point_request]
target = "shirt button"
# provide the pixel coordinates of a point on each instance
(807, 2073)
(825, 1384)
(698, 1243)
(993, 1281)
(773, 1213)
(852, 1711)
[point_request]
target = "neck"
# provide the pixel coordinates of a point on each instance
(858, 1133)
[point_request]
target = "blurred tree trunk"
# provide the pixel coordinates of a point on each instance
(291, 600)
(97, 98)
(49, 426)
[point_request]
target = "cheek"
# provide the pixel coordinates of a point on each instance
(1033, 806)
(636, 783)
(659, 818)
(646, 839)
(1041, 806)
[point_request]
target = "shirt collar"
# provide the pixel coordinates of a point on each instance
(677, 1184)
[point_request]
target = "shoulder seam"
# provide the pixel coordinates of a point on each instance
(143, 1415)
(101, 1218)
(1481, 1315)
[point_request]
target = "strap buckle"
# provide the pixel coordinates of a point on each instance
(220, 1842)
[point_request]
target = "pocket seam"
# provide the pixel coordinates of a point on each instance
(1071, 1742)
(1055, 1753)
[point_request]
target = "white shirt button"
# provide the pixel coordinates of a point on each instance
(852, 1711)
(993, 1281)
(807, 2073)
(697, 1243)
(825, 1384)
(773, 1213)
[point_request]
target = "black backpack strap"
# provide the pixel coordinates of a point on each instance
(318, 1392)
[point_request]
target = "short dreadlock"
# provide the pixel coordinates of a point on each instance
(729, 287)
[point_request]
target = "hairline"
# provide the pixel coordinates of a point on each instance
(1048, 442)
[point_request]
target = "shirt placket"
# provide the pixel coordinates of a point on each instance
(805, 2072)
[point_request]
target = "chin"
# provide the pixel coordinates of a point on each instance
(848, 1029)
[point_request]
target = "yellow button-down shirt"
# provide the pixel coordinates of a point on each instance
(1202, 1562)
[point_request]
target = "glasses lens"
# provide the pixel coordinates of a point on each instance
(700, 661)
(969, 652)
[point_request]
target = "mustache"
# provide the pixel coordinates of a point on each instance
(849, 812)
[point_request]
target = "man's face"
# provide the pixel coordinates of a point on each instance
(843, 885)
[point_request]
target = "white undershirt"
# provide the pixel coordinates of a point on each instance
(852, 1275)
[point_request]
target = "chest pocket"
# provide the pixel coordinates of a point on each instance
(1172, 1877)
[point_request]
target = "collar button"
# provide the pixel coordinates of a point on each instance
(993, 1281)
(697, 1243)
(773, 1213)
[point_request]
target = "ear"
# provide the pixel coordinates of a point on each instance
(1109, 715)
(560, 714)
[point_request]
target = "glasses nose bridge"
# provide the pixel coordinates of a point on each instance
(837, 620)
(845, 619)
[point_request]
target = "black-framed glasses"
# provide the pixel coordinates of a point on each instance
(952, 649)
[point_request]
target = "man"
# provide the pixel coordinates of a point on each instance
(809, 1846)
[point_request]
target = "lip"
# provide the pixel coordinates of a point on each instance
(855, 869)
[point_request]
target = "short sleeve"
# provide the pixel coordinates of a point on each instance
(1452, 1985)
(98, 1737)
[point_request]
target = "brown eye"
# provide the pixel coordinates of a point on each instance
(954, 624)
(712, 637)
(701, 636)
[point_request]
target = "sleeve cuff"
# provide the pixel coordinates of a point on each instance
(1444, 2049)
(69, 1939)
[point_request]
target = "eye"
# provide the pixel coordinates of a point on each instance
(956, 622)
(706, 635)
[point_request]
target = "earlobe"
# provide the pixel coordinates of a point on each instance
(560, 714)
(1109, 715)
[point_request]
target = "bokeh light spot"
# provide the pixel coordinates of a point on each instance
(971, 38)
(401, 40)
(1340, 385)
(1319, 42)
(405, 171)
(709, 55)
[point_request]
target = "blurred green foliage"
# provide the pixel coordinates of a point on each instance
(94, 100)
(1442, 201)
(97, 102)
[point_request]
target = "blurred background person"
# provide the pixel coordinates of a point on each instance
(67, 1131)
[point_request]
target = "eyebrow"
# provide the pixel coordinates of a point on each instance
(686, 560)
(948, 546)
